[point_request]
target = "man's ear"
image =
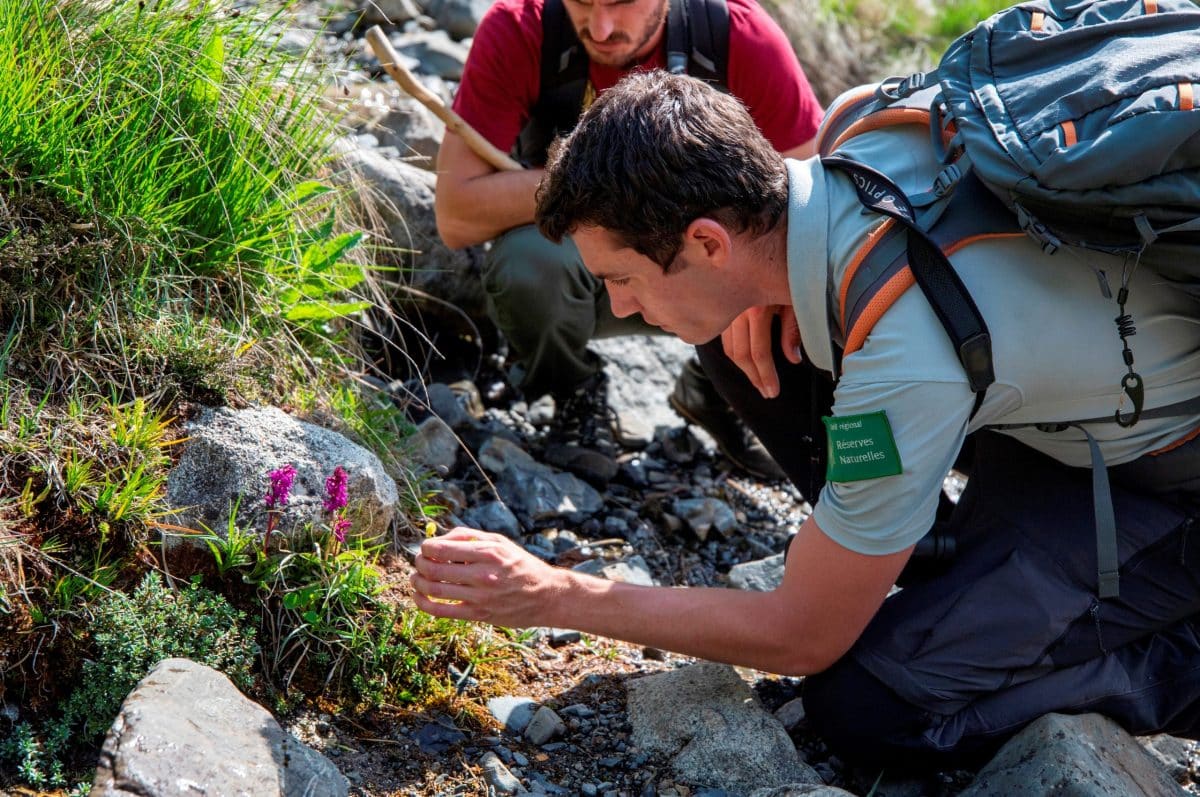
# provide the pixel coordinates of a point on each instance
(706, 238)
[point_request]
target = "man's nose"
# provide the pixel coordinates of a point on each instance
(623, 303)
(600, 24)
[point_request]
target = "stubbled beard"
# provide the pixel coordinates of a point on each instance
(656, 21)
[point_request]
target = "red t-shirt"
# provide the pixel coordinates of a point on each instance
(500, 81)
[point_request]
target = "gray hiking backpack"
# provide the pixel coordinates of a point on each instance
(1076, 122)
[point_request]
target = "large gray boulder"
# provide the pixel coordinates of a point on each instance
(708, 721)
(187, 730)
(404, 202)
(228, 454)
(1077, 756)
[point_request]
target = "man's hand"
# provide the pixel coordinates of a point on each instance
(747, 342)
(487, 576)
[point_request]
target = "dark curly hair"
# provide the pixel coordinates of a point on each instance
(654, 153)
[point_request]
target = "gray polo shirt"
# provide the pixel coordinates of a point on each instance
(1057, 355)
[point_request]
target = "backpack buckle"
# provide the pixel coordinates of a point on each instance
(1036, 230)
(975, 354)
(946, 180)
(897, 88)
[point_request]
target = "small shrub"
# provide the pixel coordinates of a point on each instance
(130, 635)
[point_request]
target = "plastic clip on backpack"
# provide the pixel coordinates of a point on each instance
(1041, 116)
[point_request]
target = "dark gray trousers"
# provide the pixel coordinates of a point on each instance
(953, 665)
(548, 306)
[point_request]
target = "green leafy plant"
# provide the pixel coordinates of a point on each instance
(130, 634)
(325, 618)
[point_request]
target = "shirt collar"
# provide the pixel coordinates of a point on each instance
(808, 257)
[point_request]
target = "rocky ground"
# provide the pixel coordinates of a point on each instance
(677, 514)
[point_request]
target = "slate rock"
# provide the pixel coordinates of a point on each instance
(435, 446)
(498, 455)
(641, 371)
(791, 713)
(437, 737)
(187, 729)
(514, 713)
(498, 776)
(703, 515)
(229, 453)
(459, 18)
(540, 493)
(761, 575)
(631, 570)
(494, 516)
(436, 53)
(412, 129)
(1173, 754)
(544, 726)
(444, 402)
(713, 728)
(1072, 756)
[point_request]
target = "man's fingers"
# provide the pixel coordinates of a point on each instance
(760, 349)
(736, 340)
(454, 611)
(789, 337)
(475, 546)
(449, 572)
(443, 590)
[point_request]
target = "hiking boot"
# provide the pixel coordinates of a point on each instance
(697, 401)
(581, 439)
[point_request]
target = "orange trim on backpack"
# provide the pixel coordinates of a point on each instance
(1037, 21)
(1151, 6)
(883, 299)
(954, 247)
(828, 123)
(1187, 438)
(1068, 130)
(1187, 100)
(873, 239)
(880, 119)
(899, 282)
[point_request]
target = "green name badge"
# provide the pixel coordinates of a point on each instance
(861, 447)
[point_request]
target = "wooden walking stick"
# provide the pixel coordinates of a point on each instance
(390, 62)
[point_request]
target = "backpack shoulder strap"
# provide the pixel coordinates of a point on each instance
(562, 85)
(563, 57)
(697, 44)
(898, 254)
(703, 39)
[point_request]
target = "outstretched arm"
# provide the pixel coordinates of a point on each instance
(827, 597)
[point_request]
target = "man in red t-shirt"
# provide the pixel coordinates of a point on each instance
(539, 294)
